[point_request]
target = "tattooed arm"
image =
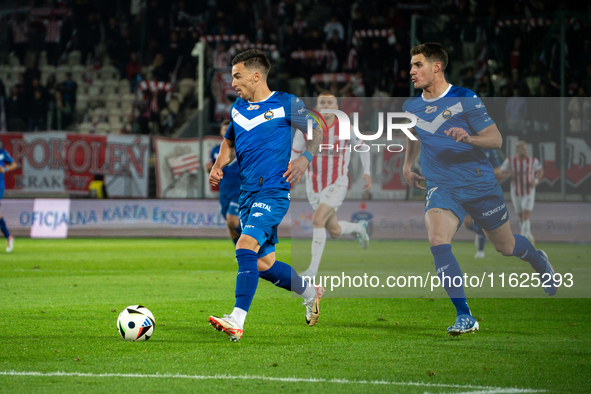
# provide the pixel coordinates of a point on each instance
(296, 168)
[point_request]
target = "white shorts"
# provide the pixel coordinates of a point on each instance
(332, 195)
(524, 203)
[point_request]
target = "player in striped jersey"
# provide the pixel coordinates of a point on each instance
(327, 181)
(526, 172)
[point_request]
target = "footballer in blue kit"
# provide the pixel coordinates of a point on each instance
(229, 190)
(6, 164)
(259, 137)
(454, 130)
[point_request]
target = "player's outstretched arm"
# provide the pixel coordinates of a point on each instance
(9, 167)
(296, 168)
(487, 138)
(412, 151)
(226, 156)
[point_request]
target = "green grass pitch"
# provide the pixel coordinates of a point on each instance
(60, 300)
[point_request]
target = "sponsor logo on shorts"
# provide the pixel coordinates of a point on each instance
(249, 226)
(256, 215)
(493, 211)
(479, 105)
(261, 205)
(505, 216)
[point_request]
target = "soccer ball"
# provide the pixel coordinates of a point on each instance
(136, 323)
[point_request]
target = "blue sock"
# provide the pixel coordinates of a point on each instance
(284, 276)
(446, 264)
(526, 251)
(481, 242)
(3, 228)
(481, 237)
(235, 240)
(247, 278)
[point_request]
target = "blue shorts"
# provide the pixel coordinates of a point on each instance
(230, 206)
(260, 215)
(487, 207)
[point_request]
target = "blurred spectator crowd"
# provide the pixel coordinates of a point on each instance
(126, 65)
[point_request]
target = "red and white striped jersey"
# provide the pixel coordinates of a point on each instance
(52, 31)
(352, 62)
(524, 171)
(152, 89)
(329, 166)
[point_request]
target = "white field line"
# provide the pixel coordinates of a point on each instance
(471, 388)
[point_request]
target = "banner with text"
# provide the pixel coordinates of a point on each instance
(66, 163)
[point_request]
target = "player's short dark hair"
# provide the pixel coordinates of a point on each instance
(253, 58)
(433, 52)
(225, 122)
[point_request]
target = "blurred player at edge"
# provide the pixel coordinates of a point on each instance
(327, 180)
(6, 164)
(453, 128)
(526, 172)
(229, 190)
(480, 239)
(259, 136)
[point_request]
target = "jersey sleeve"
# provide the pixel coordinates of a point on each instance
(298, 146)
(7, 158)
(297, 115)
(230, 131)
(476, 113)
(493, 157)
(506, 166)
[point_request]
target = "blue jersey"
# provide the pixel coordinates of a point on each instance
(444, 161)
(493, 157)
(5, 159)
(230, 183)
(261, 133)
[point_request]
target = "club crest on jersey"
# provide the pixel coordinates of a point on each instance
(269, 115)
(430, 110)
(251, 107)
(446, 114)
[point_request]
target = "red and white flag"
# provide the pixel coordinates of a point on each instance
(182, 164)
